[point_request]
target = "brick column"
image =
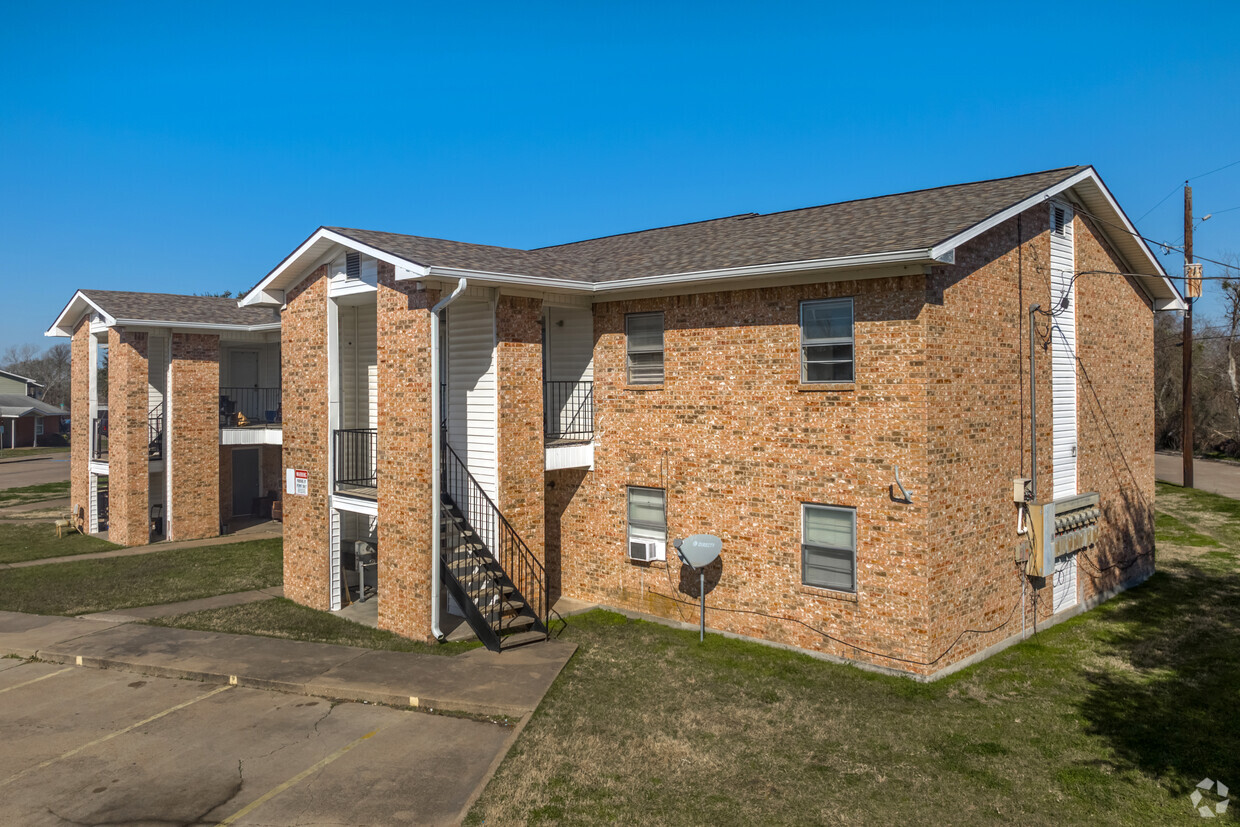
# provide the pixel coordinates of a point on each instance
(194, 436)
(79, 411)
(307, 442)
(128, 439)
(519, 375)
(406, 513)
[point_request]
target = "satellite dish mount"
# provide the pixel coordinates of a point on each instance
(697, 552)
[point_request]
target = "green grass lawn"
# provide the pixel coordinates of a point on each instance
(286, 619)
(84, 586)
(35, 541)
(34, 493)
(1111, 717)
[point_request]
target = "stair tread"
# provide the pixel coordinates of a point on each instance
(521, 639)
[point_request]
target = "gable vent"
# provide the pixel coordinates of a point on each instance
(1057, 220)
(353, 265)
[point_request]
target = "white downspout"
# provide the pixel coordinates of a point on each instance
(435, 436)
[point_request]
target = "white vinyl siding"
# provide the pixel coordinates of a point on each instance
(359, 355)
(333, 561)
(92, 507)
(1063, 352)
(472, 419)
(829, 547)
(827, 352)
(570, 344)
(157, 370)
(643, 334)
(1064, 583)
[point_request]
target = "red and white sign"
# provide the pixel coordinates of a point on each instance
(296, 481)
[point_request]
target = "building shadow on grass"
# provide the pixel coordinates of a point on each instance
(1175, 713)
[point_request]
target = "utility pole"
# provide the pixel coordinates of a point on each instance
(1187, 408)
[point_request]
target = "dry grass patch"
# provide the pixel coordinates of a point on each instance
(1111, 717)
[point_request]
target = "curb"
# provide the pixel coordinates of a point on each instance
(289, 687)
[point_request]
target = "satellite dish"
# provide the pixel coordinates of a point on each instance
(699, 550)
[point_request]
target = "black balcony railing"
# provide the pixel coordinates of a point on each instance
(249, 406)
(355, 454)
(568, 410)
(155, 432)
(99, 436)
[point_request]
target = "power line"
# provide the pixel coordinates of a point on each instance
(1161, 244)
(1176, 188)
(1211, 172)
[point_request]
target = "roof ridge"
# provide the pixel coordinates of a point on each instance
(647, 230)
(346, 230)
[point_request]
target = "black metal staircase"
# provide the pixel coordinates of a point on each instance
(487, 568)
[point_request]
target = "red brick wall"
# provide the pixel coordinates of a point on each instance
(128, 440)
(193, 455)
(303, 349)
(79, 424)
(977, 317)
(739, 445)
(406, 515)
(521, 449)
(1115, 415)
(225, 483)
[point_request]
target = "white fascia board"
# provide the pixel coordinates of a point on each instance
(1087, 174)
(689, 277)
(78, 303)
(475, 276)
(266, 290)
(356, 505)
(204, 326)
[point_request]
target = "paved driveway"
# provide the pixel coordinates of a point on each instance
(84, 746)
(34, 471)
(1208, 475)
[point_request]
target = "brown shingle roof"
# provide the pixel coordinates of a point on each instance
(168, 307)
(906, 221)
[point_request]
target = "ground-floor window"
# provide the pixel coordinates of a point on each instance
(647, 513)
(38, 426)
(829, 547)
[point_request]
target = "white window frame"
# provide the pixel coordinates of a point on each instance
(806, 548)
(38, 426)
(629, 350)
(645, 531)
(807, 342)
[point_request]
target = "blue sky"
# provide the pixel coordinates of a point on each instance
(190, 147)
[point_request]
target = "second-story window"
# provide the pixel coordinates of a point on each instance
(643, 334)
(827, 341)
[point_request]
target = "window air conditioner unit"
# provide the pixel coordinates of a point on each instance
(646, 551)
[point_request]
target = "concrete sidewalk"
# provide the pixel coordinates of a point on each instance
(511, 683)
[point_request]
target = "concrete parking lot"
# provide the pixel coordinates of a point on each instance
(84, 746)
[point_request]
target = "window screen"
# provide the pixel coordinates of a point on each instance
(827, 341)
(647, 514)
(829, 547)
(644, 337)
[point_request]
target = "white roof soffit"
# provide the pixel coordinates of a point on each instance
(1088, 188)
(270, 291)
(68, 318)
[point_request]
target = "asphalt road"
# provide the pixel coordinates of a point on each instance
(1208, 475)
(34, 471)
(89, 747)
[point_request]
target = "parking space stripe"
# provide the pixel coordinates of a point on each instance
(36, 680)
(270, 794)
(111, 735)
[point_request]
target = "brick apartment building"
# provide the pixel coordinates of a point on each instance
(175, 404)
(840, 393)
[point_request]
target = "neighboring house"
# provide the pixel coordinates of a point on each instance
(11, 383)
(25, 420)
(529, 424)
(182, 414)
